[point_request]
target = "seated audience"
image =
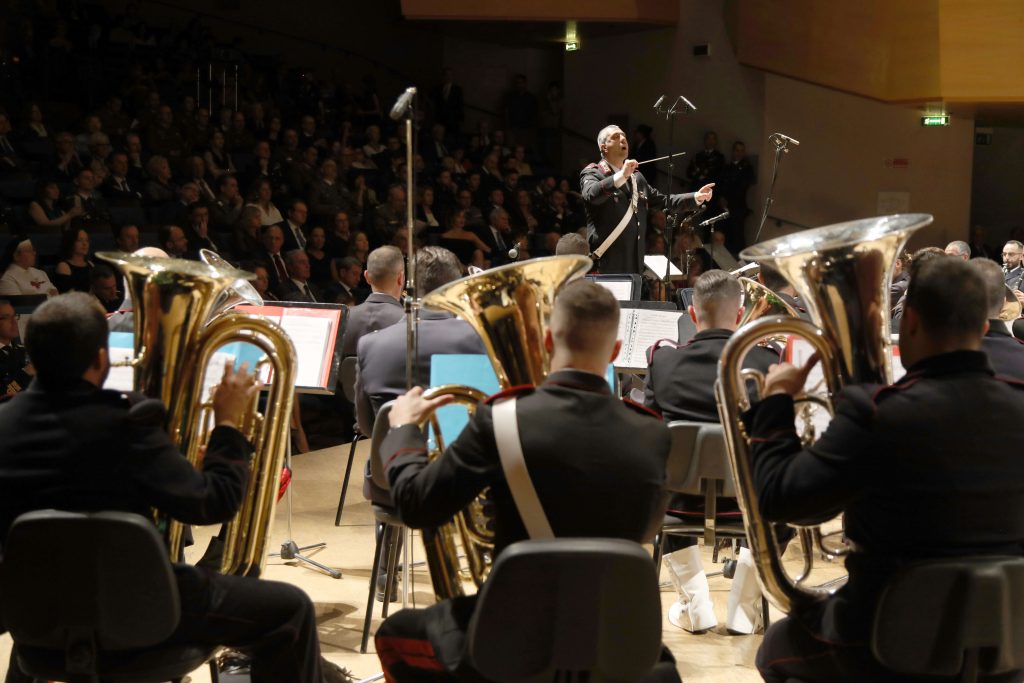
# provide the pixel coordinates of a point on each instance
(92, 215)
(103, 286)
(159, 190)
(319, 260)
(45, 211)
(261, 199)
(298, 286)
(172, 239)
(385, 272)
(126, 237)
(218, 160)
(73, 270)
(327, 196)
(466, 244)
(18, 273)
(381, 367)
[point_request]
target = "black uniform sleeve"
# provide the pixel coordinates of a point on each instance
(429, 494)
(810, 485)
(595, 186)
(173, 486)
(659, 200)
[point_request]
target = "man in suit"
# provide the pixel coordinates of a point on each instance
(119, 457)
(1005, 352)
(173, 240)
(119, 189)
(294, 237)
(894, 458)
(1013, 251)
(498, 236)
(681, 385)
(575, 399)
(227, 209)
(380, 374)
(617, 195)
(385, 272)
(273, 241)
(298, 287)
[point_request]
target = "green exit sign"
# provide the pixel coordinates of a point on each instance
(935, 120)
(572, 46)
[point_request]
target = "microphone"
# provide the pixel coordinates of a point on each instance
(714, 219)
(780, 138)
(403, 102)
(688, 103)
(657, 105)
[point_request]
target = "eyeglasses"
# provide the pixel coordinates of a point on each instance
(11, 316)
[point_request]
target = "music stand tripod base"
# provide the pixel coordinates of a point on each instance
(291, 551)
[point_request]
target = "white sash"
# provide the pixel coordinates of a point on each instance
(510, 452)
(610, 240)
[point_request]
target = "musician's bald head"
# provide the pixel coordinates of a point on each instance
(584, 328)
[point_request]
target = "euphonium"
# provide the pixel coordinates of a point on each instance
(842, 273)
(509, 307)
(179, 322)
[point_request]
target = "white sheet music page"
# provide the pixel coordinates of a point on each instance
(655, 263)
(309, 336)
(651, 327)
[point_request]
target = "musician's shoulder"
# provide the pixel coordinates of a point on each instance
(642, 409)
(511, 392)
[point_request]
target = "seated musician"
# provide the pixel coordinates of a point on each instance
(773, 280)
(111, 452)
(1005, 352)
(910, 480)
(681, 385)
(580, 443)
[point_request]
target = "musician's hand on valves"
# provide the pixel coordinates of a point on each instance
(785, 378)
(233, 396)
(628, 167)
(412, 408)
(1020, 295)
(703, 194)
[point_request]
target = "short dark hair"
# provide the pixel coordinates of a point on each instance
(589, 312)
(64, 336)
(773, 279)
(572, 243)
(949, 296)
(435, 266)
(100, 271)
(715, 288)
(995, 284)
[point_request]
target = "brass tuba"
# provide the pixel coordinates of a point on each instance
(509, 307)
(180, 320)
(842, 273)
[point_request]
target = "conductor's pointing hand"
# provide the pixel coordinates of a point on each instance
(703, 194)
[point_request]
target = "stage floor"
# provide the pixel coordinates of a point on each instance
(711, 657)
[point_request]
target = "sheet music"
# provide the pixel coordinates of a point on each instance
(639, 329)
(123, 378)
(656, 264)
(622, 290)
(309, 335)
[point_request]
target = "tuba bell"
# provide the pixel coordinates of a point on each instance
(509, 307)
(842, 273)
(180, 320)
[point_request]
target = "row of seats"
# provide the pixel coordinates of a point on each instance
(48, 244)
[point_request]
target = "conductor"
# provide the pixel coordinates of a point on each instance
(617, 199)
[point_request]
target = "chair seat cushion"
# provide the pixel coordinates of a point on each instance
(151, 665)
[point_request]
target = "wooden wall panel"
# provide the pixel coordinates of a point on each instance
(646, 11)
(982, 50)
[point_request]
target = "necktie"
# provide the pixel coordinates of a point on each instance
(309, 294)
(282, 272)
(299, 237)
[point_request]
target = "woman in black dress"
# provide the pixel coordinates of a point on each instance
(73, 269)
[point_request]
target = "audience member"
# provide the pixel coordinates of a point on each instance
(45, 210)
(18, 273)
(172, 240)
(126, 237)
(73, 270)
(298, 286)
(218, 160)
(227, 209)
(319, 260)
(103, 286)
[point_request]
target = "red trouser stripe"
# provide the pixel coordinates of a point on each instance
(413, 652)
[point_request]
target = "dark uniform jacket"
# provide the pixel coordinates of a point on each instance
(86, 449)
(377, 312)
(380, 374)
(607, 204)
(927, 467)
(13, 378)
(1005, 352)
(681, 379)
(580, 444)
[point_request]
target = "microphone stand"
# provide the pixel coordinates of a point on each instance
(781, 147)
(412, 311)
(670, 115)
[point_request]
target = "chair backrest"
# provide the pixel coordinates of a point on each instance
(698, 454)
(80, 582)
(347, 378)
(938, 617)
(593, 607)
(380, 429)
